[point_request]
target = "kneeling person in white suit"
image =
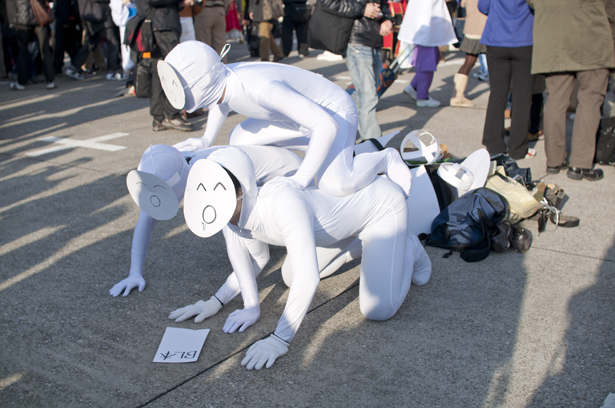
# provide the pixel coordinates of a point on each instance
(301, 220)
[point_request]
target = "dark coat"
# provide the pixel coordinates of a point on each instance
(365, 31)
(20, 12)
(166, 17)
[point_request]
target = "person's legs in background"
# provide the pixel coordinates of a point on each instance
(42, 33)
(164, 114)
(425, 61)
(461, 83)
(592, 88)
(364, 66)
(500, 71)
(23, 38)
(267, 43)
(559, 88)
(522, 87)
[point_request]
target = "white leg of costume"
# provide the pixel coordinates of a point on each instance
(386, 266)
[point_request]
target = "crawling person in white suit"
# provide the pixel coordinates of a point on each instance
(221, 192)
(279, 98)
(158, 187)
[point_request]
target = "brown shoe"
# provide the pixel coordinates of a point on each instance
(177, 124)
(277, 58)
(535, 136)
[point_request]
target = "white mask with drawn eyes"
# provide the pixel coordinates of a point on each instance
(153, 195)
(210, 198)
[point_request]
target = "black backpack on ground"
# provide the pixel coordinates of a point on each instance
(468, 223)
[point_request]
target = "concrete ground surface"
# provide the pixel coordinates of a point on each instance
(515, 330)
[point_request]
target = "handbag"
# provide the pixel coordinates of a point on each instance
(301, 12)
(522, 203)
(43, 14)
(328, 31)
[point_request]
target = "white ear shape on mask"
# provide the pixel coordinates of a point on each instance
(210, 198)
(171, 85)
(153, 195)
(427, 145)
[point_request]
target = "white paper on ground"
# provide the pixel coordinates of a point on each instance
(180, 345)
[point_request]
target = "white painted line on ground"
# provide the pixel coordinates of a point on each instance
(93, 143)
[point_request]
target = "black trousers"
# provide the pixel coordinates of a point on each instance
(160, 107)
(288, 25)
(67, 38)
(25, 34)
(508, 64)
(94, 33)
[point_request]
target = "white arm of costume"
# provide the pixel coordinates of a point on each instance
(259, 256)
(296, 221)
(317, 124)
(215, 118)
(140, 244)
(240, 260)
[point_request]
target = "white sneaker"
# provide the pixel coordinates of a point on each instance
(427, 103)
(530, 153)
(69, 72)
(115, 77)
(50, 85)
(15, 86)
(411, 92)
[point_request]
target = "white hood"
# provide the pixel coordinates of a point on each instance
(201, 73)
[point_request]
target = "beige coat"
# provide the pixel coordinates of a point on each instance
(571, 36)
(475, 20)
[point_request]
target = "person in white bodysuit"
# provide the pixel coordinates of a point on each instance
(301, 220)
(280, 99)
(166, 161)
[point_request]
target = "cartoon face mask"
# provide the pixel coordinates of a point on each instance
(153, 195)
(171, 85)
(210, 199)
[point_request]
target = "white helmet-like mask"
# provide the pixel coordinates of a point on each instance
(192, 76)
(157, 186)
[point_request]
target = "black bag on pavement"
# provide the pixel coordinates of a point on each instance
(467, 224)
(605, 143)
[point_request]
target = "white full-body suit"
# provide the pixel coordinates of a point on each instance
(287, 106)
(301, 220)
(270, 162)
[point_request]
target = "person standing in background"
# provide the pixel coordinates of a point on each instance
(508, 37)
(427, 24)
(265, 13)
(210, 23)
(472, 31)
(572, 40)
(297, 15)
(21, 17)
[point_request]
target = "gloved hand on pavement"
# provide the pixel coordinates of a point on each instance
(265, 351)
(128, 284)
(202, 310)
(241, 319)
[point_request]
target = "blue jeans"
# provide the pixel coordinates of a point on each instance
(364, 65)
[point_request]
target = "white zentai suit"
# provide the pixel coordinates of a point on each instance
(301, 220)
(281, 98)
(270, 162)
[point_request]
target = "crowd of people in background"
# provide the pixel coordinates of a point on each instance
(527, 49)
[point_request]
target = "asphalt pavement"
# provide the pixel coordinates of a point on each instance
(533, 329)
